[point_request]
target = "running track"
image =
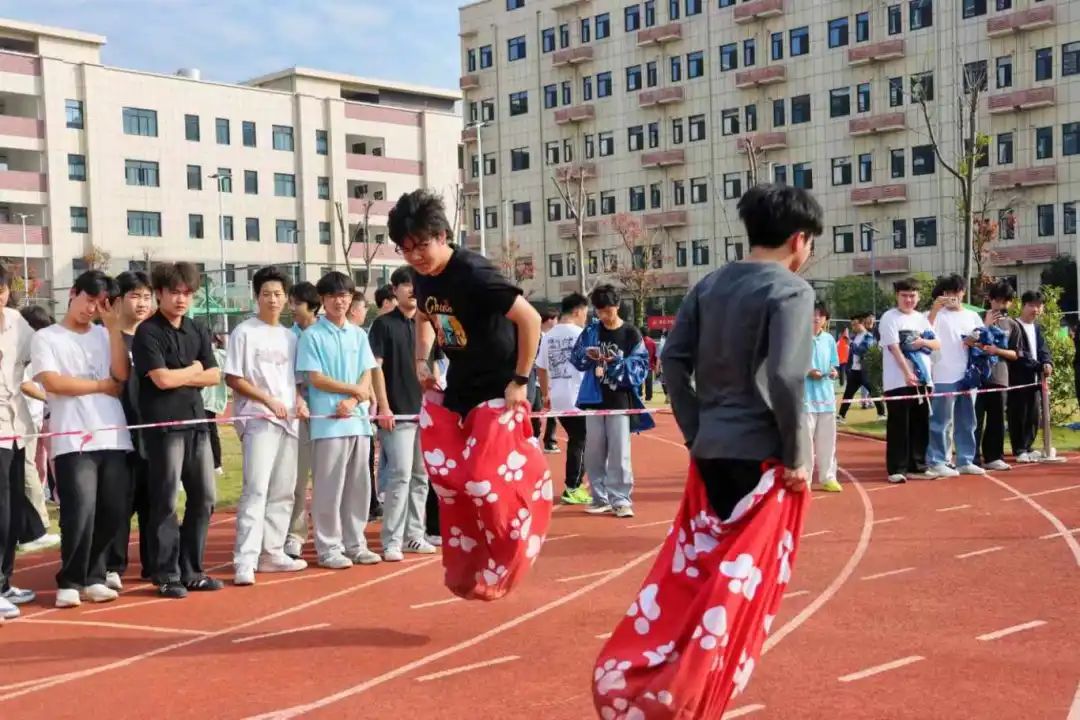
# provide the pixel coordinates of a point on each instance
(952, 599)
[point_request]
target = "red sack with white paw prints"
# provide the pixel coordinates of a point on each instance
(688, 644)
(494, 492)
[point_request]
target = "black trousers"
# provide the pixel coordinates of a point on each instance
(12, 490)
(25, 518)
(137, 505)
(1023, 413)
(907, 431)
(842, 372)
(374, 506)
(215, 439)
(728, 481)
(649, 380)
(549, 432)
(989, 426)
(854, 382)
(575, 450)
(94, 492)
(181, 457)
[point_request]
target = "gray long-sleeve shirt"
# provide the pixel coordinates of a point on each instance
(735, 364)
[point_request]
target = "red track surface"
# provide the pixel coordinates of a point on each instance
(371, 642)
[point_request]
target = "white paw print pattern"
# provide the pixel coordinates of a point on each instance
(446, 495)
(609, 676)
(783, 552)
(492, 574)
(752, 499)
(480, 491)
(663, 697)
(458, 539)
(664, 653)
(742, 674)
(438, 463)
(511, 418)
(621, 709)
(532, 548)
(543, 488)
(521, 525)
(712, 632)
(686, 553)
(469, 445)
(425, 419)
(511, 470)
(745, 576)
(645, 609)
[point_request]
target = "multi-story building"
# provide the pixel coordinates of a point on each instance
(655, 103)
(147, 167)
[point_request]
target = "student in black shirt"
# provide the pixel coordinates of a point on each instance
(174, 360)
(487, 329)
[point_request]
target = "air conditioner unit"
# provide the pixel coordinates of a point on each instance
(378, 195)
(377, 151)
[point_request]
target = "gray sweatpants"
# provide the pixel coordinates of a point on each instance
(405, 486)
(342, 495)
(266, 501)
(298, 523)
(607, 459)
(822, 430)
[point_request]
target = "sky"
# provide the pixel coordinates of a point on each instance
(235, 40)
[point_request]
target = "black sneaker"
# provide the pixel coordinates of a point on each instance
(174, 590)
(205, 584)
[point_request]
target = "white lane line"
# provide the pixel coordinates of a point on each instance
(1040, 494)
(586, 576)
(890, 486)
(890, 573)
(998, 634)
(1053, 519)
(305, 576)
(603, 636)
(561, 537)
(884, 521)
(740, 712)
(649, 524)
(954, 507)
(467, 668)
(435, 603)
(878, 669)
(121, 626)
(125, 606)
(279, 633)
(1053, 535)
(1074, 713)
(815, 534)
(796, 593)
(975, 553)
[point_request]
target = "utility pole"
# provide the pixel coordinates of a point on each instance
(25, 260)
(220, 178)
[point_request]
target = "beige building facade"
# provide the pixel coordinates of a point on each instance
(655, 103)
(148, 167)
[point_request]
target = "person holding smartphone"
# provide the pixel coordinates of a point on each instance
(990, 406)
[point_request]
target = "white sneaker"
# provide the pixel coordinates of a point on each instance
(898, 478)
(113, 582)
(219, 471)
(600, 510)
(940, 471)
(970, 470)
(283, 563)
(366, 557)
(7, 610)
(435, 540)
(392, 555)
(1028, 457)
(244, 576)
(99, 593)
(1035, 456)
(336, 562)
(998, 466)
(624, 511)
(67, 598)
(45, 541)
(420, 547)
(19, 596)
(294, 548)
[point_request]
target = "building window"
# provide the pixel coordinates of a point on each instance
(693, 7)
(650, 13)
(632, 17)
(519, 159)
(73, 111)
(251, 229)
(224, 179)
(677, 131)
(655, 195)
(896, 23)
(586, 88)
(1068, 213)
(522, 213)
(554, 210)
(673, 9)
(486, 57)
(838, 32)
(1070, 139)
(322, 143)
(843, 239)
(1004, 71)
(680, 254)
(515, 4)
(925, 230)
(489, 163)
(862, 27)
(699, 190)
(247, 132)
(973, 8)
(1044, 64)
(922, 86)
(589, 143)
(635, 138)
(586, 25)
(697, 127)
(779, 174)
(676, 69)
(80, 220)
(607, 143)
(732, 185)
(866, 237)
(283, 137)
(896, 163)
(564, 35)
(227, 229)
(323, 185)
(603, 26)
(778, 113)
(551, 152)
(729, 121)
(733, 250)
(802, 176)
(603, 84)
(284, 185)
(800, 109)
(729, 57)
(221, 129)
(251, 182)
(899, 234)
(678, 192)
(700, 252)
(515, 48)
(637, 198)
(751, 118)
(607, 203)
(555, 265)
(633, 78)
(144, 224)
(551, 96)
(568, 150)
(519, 103)
(1006, 228)
(975, 78)
(776, 46)
(195, 227)
(285, 232)
(470, 59)
(567, 97)
(841, 171)
(547, 40)
(651, 78)
(896, 92)
(799, 41)
(866, 167)
(1070, 58)
(921, 14)
(138, 121)
(863, 97)
(142, 173)
(749, 52)
(922, 160)
(1044, 143)
(194, 177)
(839, 103)
(76, 167)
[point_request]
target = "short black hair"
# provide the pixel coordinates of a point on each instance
(306, 293)
(822, 309)
(1033, 297)
(947, 284)
(908, 284)
(383, 294)
(132, 280)
(335, 282)
(604, 296)
(772, 213)
(420, 214)
(358, 298)
(170, 276)
(1001, 290)
(37, 317)
(5, 276)
(270, 273)
(548, 313)
(573, 302)
(862, 315)
(94, 283)
(404, 275)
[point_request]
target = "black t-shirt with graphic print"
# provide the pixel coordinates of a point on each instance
(624, 339)
(467, 305)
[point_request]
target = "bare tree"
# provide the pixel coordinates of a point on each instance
(515, 267)
(571, 188)
(458, 192)
(963, 161)
(754, 156)
(97, 258)
(640, 275)
(359, 234)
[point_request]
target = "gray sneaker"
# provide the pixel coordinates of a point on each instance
(19, 596)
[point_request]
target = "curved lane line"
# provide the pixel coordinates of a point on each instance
(1054, 520)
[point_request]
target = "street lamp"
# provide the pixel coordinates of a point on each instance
(479, 125)
(26, 259)
(220, 178)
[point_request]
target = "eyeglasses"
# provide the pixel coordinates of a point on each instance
(416, 247)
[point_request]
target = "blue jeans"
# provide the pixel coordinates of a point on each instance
(957, 412)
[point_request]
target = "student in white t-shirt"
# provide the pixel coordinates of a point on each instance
(907, 425)
(260, 369)
(560, 382)
(953, 325)
(83, 368)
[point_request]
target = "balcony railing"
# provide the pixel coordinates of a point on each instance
(471, 188)
(577, 172)
(381, 163)
(661, 96)
(887, 264)
(469, 82)
(578, 113)
(659, 35)
(762, 141)
(12, 233)
(876, 52)
(568, 4)
(16, 126)
(761, 76)
(875, 124)
(572, 56)
(1024, 177)
(669, 219)
(1020, 21)
(589, 228)
(1019, 100)
(23, 181)
(1024, 254)
(663, 158)
(758, 10)
(879, 194)
(19, 64)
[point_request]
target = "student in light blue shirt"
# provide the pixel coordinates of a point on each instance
(821, 400)
(304, 301)
(337, 360)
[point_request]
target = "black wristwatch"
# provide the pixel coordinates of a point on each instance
(520, 379)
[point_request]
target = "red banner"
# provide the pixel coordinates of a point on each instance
(661, 322)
